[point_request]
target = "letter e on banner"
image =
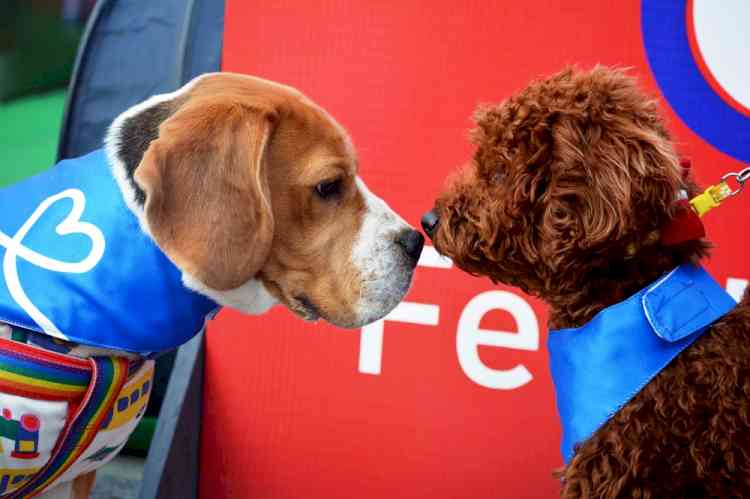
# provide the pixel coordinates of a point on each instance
(469, 337)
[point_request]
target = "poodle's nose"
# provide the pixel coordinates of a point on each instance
(429, 222)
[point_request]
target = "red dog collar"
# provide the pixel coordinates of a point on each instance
(686, 225)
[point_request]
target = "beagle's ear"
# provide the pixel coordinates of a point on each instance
(207, 200)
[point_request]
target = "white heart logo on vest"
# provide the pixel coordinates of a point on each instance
(72, 224)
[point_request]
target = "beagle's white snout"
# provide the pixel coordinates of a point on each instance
(385, 252)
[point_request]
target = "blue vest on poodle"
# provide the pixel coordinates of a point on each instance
(599, 367)
(77, 266)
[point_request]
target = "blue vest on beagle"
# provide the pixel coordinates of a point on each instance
(77, 266)
(599, 367)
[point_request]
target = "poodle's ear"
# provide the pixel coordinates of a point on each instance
(207, 201)
(623, 190)
(616, 175)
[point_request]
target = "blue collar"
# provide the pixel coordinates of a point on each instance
(598, 368)
(77, 266)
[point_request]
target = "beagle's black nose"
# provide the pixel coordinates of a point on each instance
(412, 241)
(429, 222)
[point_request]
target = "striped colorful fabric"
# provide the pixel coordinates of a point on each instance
(29, 371)
(108, 375)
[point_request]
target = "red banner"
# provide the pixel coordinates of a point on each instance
(451, 396)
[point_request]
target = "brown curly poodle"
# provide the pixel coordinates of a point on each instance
(569, 183)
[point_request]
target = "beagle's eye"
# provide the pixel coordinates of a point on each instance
(328, 189)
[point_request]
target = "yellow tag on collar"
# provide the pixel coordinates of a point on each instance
(711, 198)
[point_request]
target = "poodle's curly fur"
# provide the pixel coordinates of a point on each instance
(568, 177)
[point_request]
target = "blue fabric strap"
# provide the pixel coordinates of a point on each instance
(598, 368)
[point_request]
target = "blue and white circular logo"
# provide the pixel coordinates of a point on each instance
(699, 52)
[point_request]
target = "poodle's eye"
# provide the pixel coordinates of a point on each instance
(498, 177)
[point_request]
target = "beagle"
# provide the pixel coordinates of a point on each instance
(232, 191)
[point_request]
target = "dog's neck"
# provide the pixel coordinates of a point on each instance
(604, 285)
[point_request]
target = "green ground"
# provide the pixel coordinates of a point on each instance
(29, 129)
